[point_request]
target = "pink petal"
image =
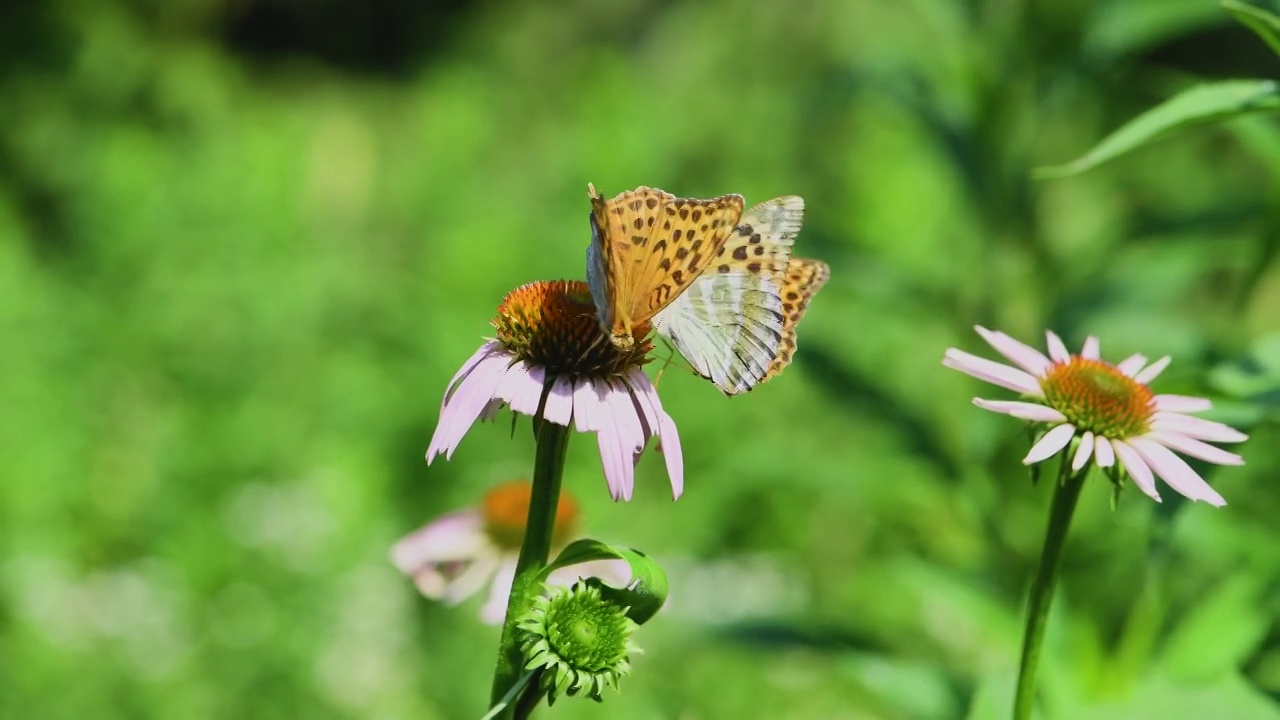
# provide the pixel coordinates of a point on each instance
(1057, 349)
(468, 401)
(1182, 403)
(1023, 355)
(1132, 364)
(992, 372)
(1137, 469)
(1022, 410)
(1175, 471)
(1197, 428)
(672, 453)
(526, 395)
(433, 554)
(644, 395)
(1051, 443)
(1195, 448)
(494, 610)
(1083, 451)
(1090, 349)
(1153, 370)
(484, 351)
(559, 408)
(1102, 451)
(586, 407)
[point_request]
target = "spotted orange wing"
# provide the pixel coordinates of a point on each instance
(804, 279)
(647, 247)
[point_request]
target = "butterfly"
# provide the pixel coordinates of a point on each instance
(647, 248)
(805, 277)
(731, 323)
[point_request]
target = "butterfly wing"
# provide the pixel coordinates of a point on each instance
(729, 324)
(648, 246)
(805, 277)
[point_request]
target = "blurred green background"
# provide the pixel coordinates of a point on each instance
(245, 243)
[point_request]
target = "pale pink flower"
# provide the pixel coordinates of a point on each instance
(551, 357)
(456, 555)
(1103, 413)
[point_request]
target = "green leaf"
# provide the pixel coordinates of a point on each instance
(1197, 106)
(1265, 24)
(646, 592)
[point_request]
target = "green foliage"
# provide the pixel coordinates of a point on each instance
(234, 284)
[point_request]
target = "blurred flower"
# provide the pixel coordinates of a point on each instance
(1108, 407)
(457, 554)
(551, 359)
(582, 641)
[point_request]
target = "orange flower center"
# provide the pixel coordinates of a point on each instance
(1097, 397)
(506, 509)
(553, 325)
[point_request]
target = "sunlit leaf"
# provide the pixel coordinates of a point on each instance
(1197, 106)
(646, 592)
(1265, 24)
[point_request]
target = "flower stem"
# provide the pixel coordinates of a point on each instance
(1066, 493)
(548, 468)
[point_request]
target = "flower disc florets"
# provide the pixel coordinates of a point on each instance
(506, 511)
(1096, 397)
(553, 325)
(580, 640)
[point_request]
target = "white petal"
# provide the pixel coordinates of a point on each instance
(1182, 403)
(1025, 356)
(992, 372)
(1195, 448)
(1083, 452)
(1132, 364)
(1090, 349)
(1057, 349)
(1102, 451)
(1175, 471)
(1152, 371)
(1022, 410)
(494, 610)
(1197, 428)
(1050, 444)
(559, 407)
(1137, 469)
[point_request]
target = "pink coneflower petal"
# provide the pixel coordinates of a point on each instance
(469, 400)
(992, 372)
(485, 351)
(1050, 444)
(1057, 349)
(1152, 371)
(1175, 471)
(494, 610)
(1181, 403)
(1137, 469)
(1091, 349)
(559, 407)
(526, 389)
(670, 447)
(1083, 452)
(1022, 410)
(1102, 451)
(1132, 364)
(1196, 449)
(1197, 428)
(1021, 354)
(586, 407)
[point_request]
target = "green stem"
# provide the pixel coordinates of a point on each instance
(548, 468)
(1065, 495)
